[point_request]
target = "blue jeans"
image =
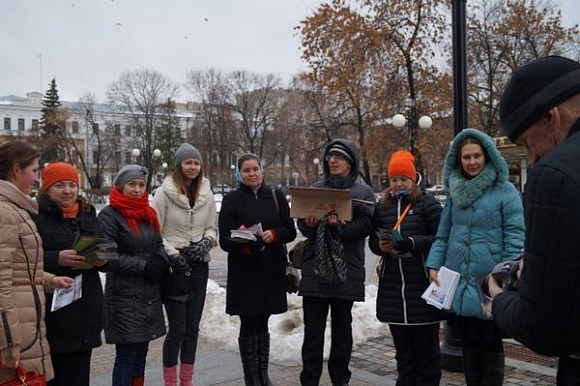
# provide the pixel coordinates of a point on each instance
(129, 362)
(184, 318)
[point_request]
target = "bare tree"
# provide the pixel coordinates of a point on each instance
(102, 145)
(141, 95)
(252, 100)
(214, 135)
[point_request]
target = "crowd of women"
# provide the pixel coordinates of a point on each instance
(163, 252)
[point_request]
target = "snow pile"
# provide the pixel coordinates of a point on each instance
(286, 330)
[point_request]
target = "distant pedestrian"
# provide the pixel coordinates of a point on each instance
(322, 292)
(413, 218)
(187, 214)
(134, 314)
(22, 279)
(72, 331)
(481, 225)
(256, 286)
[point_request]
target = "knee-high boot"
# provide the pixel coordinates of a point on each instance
(491, 368)
(186, 374)
(471, 363)
(170, 376)
(138, 381)
(264, 358)
(249, 355)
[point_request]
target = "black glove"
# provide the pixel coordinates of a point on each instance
(257, 246)
(405, 245)
(198, 251)
(154, 268)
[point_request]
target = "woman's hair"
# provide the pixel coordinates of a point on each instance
(467, 141)
(247, 157)
(13, 153)
(181, 182)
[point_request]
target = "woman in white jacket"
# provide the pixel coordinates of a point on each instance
(187, 215)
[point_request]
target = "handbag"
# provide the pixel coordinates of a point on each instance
(175, 281)
(23, 378)
(296, 254)
(292, 275)
(292, 279)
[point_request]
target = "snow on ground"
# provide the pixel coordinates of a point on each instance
(287, 329)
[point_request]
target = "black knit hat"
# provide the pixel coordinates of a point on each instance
(534, 89)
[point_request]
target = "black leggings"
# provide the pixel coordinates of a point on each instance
(253, 324)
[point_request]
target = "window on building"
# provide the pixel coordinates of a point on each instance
(7, 124)
(20, 124)
(118, 130)
(75, 127)
(128, 131)
(35, 124)
(95, 156)
(95, 128)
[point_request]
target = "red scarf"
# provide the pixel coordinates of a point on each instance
(134, 210)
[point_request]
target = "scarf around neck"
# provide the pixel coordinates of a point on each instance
(464, 192)
(71, 211)
(340, 182)
(134, 210)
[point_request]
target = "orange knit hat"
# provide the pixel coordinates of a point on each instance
(58, 171)
(402, 163)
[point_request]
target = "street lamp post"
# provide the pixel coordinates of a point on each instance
(135, 153)
(399, 121)
(233, 168)
(316, 163)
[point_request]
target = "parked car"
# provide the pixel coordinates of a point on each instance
(436, 189)
(222, 188)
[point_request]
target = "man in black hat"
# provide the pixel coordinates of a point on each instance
(540, 110)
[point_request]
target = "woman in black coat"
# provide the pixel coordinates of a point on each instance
(403, 277)
(132, 290)
(256, 286)
(74, 330)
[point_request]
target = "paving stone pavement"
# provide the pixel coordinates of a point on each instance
(373, 363)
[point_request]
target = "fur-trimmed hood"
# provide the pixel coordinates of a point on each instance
(464, 191)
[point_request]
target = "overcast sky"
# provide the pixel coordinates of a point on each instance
(87, 44)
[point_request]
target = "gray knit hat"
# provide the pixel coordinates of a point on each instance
(130, 172)
(185, 151)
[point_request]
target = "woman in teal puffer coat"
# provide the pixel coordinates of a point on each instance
(481, 225)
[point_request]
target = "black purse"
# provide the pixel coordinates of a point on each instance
(292, 275)
(176, 277)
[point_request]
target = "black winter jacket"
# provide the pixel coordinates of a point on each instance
(257, 282)
(402, 281)
(545, 312)
(76, 327)
(352, 235)
(134, 311)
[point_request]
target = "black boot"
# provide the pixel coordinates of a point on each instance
(492, 368)
(264, 358)
(249, 355)
(471, 362)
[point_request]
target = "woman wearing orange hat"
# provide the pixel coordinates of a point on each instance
(72, 331)
(405, 223)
